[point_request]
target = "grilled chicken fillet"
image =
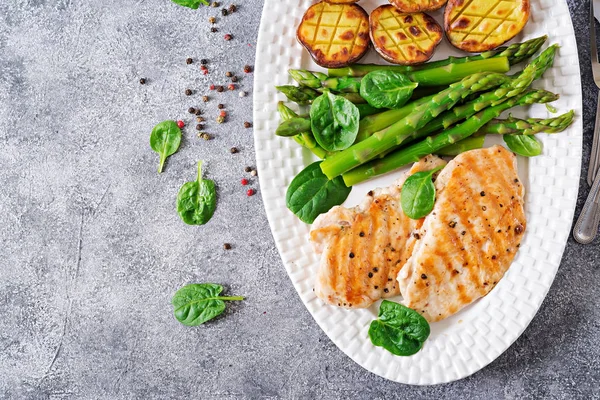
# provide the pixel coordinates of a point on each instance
(470, 238)
(363, 248)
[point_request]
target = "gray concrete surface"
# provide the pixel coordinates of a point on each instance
(92, 249)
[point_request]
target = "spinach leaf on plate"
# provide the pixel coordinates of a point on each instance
(199, 302)
(524, 145)
(334, 121)
(197, 200)
(190, 3)
(398, 329)
(418, 194)
(165, 139)
(310, 193)
(386, 89)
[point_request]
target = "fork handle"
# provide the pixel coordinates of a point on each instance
(586, 227)
(595, 154)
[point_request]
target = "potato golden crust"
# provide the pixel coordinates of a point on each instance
(412, 6)
(482, 25)
(335, 35)
(401, 38)
(341, 1)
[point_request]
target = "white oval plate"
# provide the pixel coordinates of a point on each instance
(471, 339)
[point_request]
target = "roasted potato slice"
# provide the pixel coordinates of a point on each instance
(404, 38)
(335, 35)
(412, 6)
(482, 25)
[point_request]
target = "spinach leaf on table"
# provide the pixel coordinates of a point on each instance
(334, 121)
(165, 139)
(197, 200)
(190, 3)
(398, 329)
(524, 145)
(418, 194)
(386, 89)
(310, 193)
(199, 302)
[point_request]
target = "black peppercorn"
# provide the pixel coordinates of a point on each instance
(142, 81)
(232, 8)
(213, 30)
(247, 169)
(351, 255)
(224, 12)
(220, 106)
(188, 92)
(247, 124)
(233, 150)
(189, 60)
(198, 112)
(220, 89)
(204, 61)
(192, 110)
(226, 246)
(199, 127)
(234, 78)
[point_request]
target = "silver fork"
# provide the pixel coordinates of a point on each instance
(586, 227)
(593, 167)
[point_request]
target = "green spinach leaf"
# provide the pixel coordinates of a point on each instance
(334, 122)
(418, 194)
(190, 3)
(398, 329)
(386, 89)
(310, 193)
(524, 145)
(197, 200)
(199, 302)
(165, 139)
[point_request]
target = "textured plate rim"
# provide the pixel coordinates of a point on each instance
(263, 127)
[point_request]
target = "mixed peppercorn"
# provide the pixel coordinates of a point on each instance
(221, 110)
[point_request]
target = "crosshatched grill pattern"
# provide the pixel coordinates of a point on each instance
(334, 33)
(471, 339)
(484, 24)
(404, 38)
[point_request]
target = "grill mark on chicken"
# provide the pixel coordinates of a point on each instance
(489, 245)
(387, 243)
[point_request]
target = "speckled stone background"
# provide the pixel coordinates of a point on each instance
(92, 248)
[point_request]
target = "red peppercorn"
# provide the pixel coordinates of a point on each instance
(227, 36)
(212, 87)
(180, 124)
(250, 192)
(205, 72)
(244, 181)
(231, 86)
(223, 113)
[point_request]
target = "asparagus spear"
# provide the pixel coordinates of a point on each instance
(304, 139)
(301, 95)
(528, 126)
(305, 95)
(440, 76)
(374, 145)
(382, 120)
(470, 143)
(343, 84)
(432, 144)
(307, 78)
(515, 53)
